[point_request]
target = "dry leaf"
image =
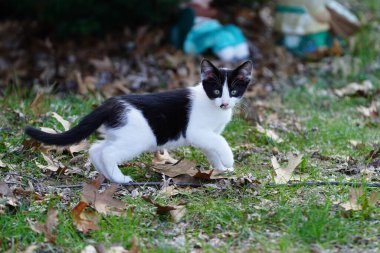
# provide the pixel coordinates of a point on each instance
(2, 165)
(373, 154)
(355, 89)
(186, 171)
(64, 123)
(163, 157)
(176, 212)
(48, 227)
(353, 197)
(81, 146)
(135, 245)
(102, 202)
(269, 133)
(36, 105)
(48, 130)
(114, 249)
(357, 144)
(5, 191)
(89, 249)
(90, 190)
(176, 169)
(30, 249)
(102, 65)
(84, 220)
(8, 195)
(369, 112)
(106, 204)
(52, 164)
(283, 175)
(169, 191)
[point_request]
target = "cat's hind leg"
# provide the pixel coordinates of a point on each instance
(115, 153)
(95, 157)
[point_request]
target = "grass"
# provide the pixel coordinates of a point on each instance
(236, 219)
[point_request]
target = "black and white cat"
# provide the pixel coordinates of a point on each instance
(140, 123)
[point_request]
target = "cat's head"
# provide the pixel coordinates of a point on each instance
(225, 87)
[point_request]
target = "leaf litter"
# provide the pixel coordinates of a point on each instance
(355, 202)
(86, 219)
(176, 212)
(47, 228)
(355, 89)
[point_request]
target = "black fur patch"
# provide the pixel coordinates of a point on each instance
(167, 113)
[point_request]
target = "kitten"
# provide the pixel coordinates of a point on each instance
(139, 123)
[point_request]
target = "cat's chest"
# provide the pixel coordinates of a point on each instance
(213, 120)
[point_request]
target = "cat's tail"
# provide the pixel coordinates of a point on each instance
(103, 114)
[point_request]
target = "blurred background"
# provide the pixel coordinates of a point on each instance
(123, 46)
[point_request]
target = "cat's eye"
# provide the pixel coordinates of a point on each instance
(216, 92)
(233, 92)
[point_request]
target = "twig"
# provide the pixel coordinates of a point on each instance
(134, 184)
(157, 184)
(354, 184)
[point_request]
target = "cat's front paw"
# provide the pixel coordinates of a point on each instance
(232, 169)
(228, 161)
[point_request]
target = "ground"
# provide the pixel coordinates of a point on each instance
(255, 216)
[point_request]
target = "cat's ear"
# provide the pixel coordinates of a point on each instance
(207, 69)
(244, 71)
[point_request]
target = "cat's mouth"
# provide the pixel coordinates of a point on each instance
(225, 107)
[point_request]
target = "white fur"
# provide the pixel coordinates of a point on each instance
(206, 123)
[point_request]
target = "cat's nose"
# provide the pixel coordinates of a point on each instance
(224, 105)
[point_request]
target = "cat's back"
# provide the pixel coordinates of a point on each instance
(167, 113)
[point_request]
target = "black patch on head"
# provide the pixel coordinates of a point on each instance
(239, 78)
(167, 113)
(213, 79)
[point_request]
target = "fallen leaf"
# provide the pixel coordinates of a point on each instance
(373, 154)
(103, 202)
(169, 191)
(283, 175)
(52, 164)
(48, 227)
(81, 146)
(2, 165)
(163, 157)
(48, 130)
(64, 123)
(176, 212)
(8, 195)
(5, 191)
(355, 89)
(102, 65)
(31, 249)
(357, 144)
(135, 246)
(36, 105)
(206, 175)
(269, 133)
(99, 248)
(90, 190)
(84, 220)
(106, 204)
(176, 169)
(353, 197)
(369, 112)
(89, 249)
